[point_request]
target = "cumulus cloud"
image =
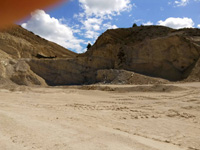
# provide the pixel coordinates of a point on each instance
(90, 34)
(92, 23)
(96, 15)
(177, 23)
(109, 26)
(104, 7)
(93, 26)
(53, 29)
(198, 26)
(181, 3)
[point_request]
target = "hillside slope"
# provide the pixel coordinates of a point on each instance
(17, 46)
(151, 50)
(139, 55)
(20, 43)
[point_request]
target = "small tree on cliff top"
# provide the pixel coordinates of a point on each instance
(89, 46)
(134, 25)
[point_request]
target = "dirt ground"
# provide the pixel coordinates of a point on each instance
(101, 117)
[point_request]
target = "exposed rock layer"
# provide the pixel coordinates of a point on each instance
(116, 57)
(20, 43)
(153, 51)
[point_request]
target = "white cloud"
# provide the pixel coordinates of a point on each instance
(181, 3)
(138, 20)
(96, 15)
(109, 26)
(177, 23)
(198, 26)
(148, 23)
(91, 34)
(104, 7)
(92, 23)
(91, 27)
(53, 29)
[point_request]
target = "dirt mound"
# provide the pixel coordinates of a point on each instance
(152, 88)
(145, 88)
(115, 76)
(96, 87)
(18, 72)
(194, 75)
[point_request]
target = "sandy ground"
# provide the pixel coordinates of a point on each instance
(101, 118)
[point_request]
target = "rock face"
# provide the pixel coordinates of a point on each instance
(20, 43)
(194, 75)
(166, 53)
(17, 72)
(17, 46)
(121, 56)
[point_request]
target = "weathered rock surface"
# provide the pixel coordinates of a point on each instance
(194, 75)
(20, 43)
(153, 51)
(17, 72)
(121, 56)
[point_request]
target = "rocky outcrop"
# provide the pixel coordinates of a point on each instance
(152, 51)
(60, 71)
(17, 47)
(139, 55)
(20, 43)
(194, 75)
(17, 72)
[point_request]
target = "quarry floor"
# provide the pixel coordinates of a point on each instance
(74, 118)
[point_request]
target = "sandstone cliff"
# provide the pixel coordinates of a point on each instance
(20, 43)
(18, 72)
(152, 50)
(17, 46)
(139, 55)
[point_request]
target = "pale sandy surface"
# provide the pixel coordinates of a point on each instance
(144, 118)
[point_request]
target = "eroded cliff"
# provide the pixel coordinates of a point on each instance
(138, 55)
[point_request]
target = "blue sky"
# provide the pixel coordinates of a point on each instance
(76, 23)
